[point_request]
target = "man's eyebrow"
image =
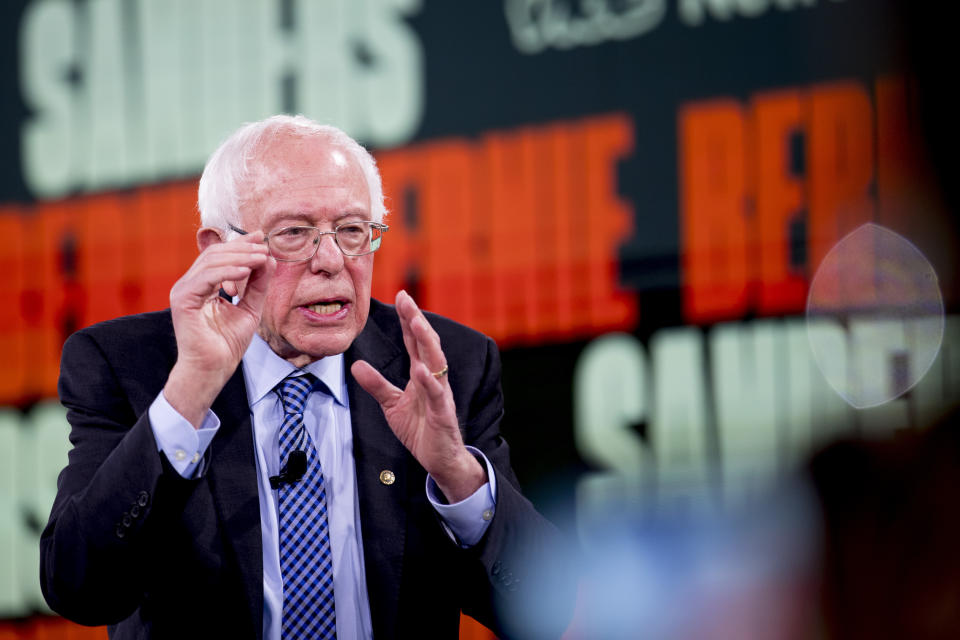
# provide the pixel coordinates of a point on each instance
(350, 213)
(309, 218)
(280, 215)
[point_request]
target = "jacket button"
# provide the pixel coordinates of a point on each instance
(387, 477)
(143, 498)
(126, 521)
(120, 531)
(135, 510)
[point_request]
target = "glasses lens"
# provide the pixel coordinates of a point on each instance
(293, 243)
(358, 238)
(376, 237)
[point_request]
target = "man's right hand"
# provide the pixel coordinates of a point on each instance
(212, 333)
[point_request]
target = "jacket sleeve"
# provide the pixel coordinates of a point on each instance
(528, 584)
(92, 563)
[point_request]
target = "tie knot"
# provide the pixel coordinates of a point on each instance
(294, 391)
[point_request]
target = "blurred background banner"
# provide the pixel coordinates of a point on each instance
(631, 197)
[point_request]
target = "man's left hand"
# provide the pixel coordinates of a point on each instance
(423, 415)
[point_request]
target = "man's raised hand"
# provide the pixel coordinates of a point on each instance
(212, 333)
(423, 415)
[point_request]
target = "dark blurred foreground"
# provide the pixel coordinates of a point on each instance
(891, 546)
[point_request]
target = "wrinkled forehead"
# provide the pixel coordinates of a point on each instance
(294, 166)
(287, 158)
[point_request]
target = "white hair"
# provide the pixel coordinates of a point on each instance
(229, 167)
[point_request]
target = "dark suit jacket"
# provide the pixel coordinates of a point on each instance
(133, 545)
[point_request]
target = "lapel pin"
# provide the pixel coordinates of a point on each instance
(387, 477)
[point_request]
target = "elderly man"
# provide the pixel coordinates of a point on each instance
(289, 459)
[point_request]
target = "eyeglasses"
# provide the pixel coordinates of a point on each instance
(296, 244)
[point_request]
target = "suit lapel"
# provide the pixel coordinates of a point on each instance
(383, 509)
(233, 482)
(382, 506)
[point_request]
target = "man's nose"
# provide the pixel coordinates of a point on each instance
(328, 257)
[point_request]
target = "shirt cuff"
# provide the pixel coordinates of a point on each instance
(183, 445)
(466, 521)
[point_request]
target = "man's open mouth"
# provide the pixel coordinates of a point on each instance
(326, 308)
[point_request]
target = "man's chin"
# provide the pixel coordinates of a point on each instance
(301, 352)
(313, 350)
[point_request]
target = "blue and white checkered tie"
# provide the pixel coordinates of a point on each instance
(305, 559)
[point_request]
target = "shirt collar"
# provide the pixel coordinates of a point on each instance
(263, 370)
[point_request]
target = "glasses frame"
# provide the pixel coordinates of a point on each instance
(374, 225)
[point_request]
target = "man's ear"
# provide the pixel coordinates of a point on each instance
(207, 236)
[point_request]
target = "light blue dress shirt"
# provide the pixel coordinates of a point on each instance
(327, 420)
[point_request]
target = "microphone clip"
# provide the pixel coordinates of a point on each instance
(294, 469)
